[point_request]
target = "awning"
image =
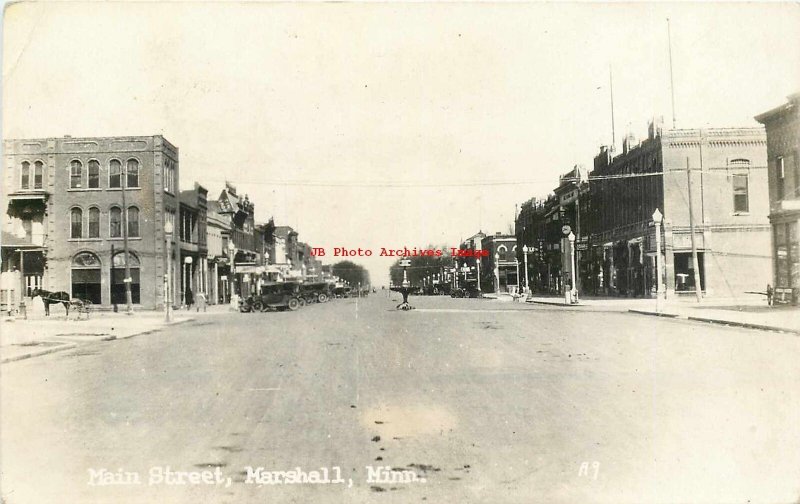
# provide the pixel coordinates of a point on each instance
(33, 195)
(8, 240)
(250, 269)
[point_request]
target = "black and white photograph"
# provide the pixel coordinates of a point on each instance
(400, 252)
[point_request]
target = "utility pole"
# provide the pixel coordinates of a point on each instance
(127, 280)
(613, 128)
(671, 81)
(695, 263)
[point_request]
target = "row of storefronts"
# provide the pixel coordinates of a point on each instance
(92, 216)
(615, 211)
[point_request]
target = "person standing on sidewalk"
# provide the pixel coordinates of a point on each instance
(189, 299)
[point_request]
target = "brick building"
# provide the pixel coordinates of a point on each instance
(193, 241)
(67, 214)
(729, 202)
(783, 161)
(499, 268)
(239, 212)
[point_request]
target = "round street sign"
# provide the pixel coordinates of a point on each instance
(566, 229)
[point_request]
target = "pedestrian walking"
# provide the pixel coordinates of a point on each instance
(770, 293)
(201, 301)
(189, 299)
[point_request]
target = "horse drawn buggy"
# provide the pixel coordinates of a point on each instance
(80, 306)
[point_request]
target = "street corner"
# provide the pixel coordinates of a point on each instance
(13, 353)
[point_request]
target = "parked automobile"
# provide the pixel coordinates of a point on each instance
(278, 296)
(315, 292)
(342, 292)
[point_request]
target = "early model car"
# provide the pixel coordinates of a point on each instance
(315, 292)
(277, 296)
(342, 292)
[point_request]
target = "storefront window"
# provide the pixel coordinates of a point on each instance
(118, 295)
(684, 271)
(86, 277)
(794, 254)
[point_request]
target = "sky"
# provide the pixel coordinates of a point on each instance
(388, 125)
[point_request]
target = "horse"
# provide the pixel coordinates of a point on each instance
(49, 298)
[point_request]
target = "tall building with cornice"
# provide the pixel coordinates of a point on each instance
(727, 169)
(69, 203)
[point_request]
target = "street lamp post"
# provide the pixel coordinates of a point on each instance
(657, 218)
(187, 278)
(496, 273)
(168, 276)
(478, 261)
(525, 251)
(232, 281)
(573, 294)
(405, 263)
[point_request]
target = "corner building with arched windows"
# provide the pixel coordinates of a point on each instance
(66, 217)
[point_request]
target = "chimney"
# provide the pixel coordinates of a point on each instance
(628, 142)
(655, 127)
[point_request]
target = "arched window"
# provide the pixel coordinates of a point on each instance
(94, 174)
(76, 175)
(86, 277)
(94, 222)
(115, 222)
(76, 221)
(133, 222)
(114, 171)
(25, 179)
(132, 170)
(118, 295)
(38, 175)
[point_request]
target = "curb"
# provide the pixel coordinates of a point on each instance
(44, 351)
(654, 314)
(553, 303)
(68, 346)
(745, 325)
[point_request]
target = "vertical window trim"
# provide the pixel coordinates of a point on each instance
(89, 165)
(72, 212)
(38, 173)
(780, 177)
(111, 173)
(137, 165)
(93, 210)
(111, 228)
(75, 166)
(741, 192)
(25, 176)
(129, 221)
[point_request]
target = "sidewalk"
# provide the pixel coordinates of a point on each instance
(750, 312)
(40, 335)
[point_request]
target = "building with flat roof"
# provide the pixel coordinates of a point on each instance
(70, 204)
(783, 162)
(726, 168)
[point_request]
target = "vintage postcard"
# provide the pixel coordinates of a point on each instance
(374, 252)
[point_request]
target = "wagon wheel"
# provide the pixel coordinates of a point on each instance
(257, 306)
(294, 304)
(322, 298)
